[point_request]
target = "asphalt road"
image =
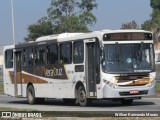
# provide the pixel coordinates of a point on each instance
(145, 104)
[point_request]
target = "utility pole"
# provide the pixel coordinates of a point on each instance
(14, 54)
(13, 33)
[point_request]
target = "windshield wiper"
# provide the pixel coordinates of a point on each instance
(117, 52)
(141, 50)
(139, 53)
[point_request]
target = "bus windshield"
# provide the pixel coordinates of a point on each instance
(128, 58)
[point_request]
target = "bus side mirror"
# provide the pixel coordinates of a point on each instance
(102, 55)
(102, 60)
(158, 61)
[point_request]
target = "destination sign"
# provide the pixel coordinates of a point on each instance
(127, 36)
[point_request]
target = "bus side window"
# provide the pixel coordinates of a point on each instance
(9, 58)
(40, 55)
(78, 52)
(28, 57)
(24, 58)
(52, 53)
(66, 53)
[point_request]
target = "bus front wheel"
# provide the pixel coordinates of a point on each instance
(31, 95)
(82, 98)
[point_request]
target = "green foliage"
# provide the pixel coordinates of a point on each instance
(64, 16)
(71, 24)
(154, 22)
(156, 18)
(155, 4)
(130, 25)
(1, 88)
(72, 15)
(147, 25)
(42, 28)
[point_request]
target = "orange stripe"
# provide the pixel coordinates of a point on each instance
(142, 81)
(25, 78)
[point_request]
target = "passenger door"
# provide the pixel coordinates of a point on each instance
(91, 69)
(18, 74)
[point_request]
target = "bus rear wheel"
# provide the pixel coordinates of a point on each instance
(126, 102)
(31, 95)
(82, 98)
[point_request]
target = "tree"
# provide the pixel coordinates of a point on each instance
(154, 22)
(130, 25)
(72, 15)
(42, 28)
(147, 25)
(64, 16)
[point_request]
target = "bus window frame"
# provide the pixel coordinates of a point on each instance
(26, 62)
(11, 60)
(34, 54)
(73, 57)
(71, 52)
(48, 62)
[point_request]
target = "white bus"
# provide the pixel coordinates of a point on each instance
(114, 65)
(157, 61)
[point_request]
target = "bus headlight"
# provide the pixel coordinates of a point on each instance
(151, 83)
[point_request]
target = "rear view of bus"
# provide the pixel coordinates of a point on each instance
(128, 68)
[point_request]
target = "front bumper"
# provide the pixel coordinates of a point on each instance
(124, 92)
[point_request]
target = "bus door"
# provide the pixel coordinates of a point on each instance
(91, 69)
(17, 73)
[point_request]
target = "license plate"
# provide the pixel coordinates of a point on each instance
(134, 91)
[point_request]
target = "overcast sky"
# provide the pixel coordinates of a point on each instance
(110, 15)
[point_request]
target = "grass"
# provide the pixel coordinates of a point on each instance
(12, 109)
(104, 118)
(158, 86)
(129, 118)
(1, 88)
(158, 89)
(1, 75)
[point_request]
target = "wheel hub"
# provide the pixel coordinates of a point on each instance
(82, 96)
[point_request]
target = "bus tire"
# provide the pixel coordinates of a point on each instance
(82, 98)
(31, 95)
(126, 102)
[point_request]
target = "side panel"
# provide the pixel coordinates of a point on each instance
(8, 71)
(8, 85)
(64, 88)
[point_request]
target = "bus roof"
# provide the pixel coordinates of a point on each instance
(57, 36)
(73, 36)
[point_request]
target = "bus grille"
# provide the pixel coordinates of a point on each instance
(128, 78)
(128, 93)
(131, 85)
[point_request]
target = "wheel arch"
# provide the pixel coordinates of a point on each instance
(29, 84)
(78, 84)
